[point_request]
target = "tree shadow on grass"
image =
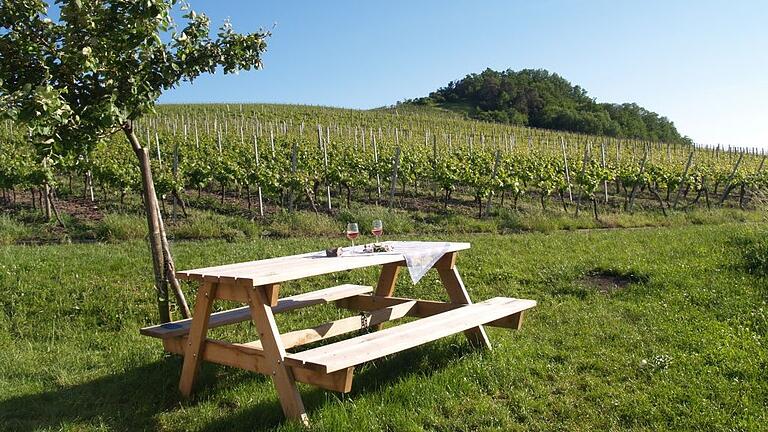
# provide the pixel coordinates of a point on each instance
(132, 399)
(125, 400)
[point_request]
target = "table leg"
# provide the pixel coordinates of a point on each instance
(274, 353)
(386, 285)
(451, 279)
(196, 338)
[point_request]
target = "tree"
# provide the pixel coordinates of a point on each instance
(97, 68)
(538, 98)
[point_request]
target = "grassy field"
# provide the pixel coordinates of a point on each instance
(680, 346)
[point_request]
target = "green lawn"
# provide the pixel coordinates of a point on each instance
(683, 347)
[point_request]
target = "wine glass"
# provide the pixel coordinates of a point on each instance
(352, 232)
(378, 229)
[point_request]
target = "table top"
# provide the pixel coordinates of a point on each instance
(287, 268)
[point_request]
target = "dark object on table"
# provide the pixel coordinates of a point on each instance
(334, 252)
(377, 247)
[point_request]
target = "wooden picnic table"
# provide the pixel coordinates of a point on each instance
(257, 284)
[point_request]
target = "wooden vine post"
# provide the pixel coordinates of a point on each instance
(567, 172)
(682, 181)
(393, 184)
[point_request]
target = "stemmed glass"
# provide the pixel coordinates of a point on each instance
(352, 232)
(378, 229)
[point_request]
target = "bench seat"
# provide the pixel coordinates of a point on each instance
(358, 350)
(218, 319)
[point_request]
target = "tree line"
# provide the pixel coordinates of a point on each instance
(542, 99)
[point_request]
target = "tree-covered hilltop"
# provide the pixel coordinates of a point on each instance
(539, 98)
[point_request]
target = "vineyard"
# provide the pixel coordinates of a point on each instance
(272, 158)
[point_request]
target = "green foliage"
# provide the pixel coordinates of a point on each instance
(101, 64)
(538, 98)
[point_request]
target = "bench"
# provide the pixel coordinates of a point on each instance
(233, 316)
(361, 349)
(330, 366)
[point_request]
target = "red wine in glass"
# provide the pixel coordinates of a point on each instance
(352, 232)
(378, 229)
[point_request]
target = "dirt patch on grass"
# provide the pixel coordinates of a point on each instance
(80, 208)
(609, 281)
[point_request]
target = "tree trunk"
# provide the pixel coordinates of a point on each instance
(54, 209)
(594, 208)
(161, 255)
(181, 202)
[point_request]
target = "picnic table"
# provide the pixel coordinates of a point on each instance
(331, 366)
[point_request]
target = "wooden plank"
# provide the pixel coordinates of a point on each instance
(342, 326)
(424, 308)
(272, 292)
(512, 322)
(387, 281)
(453, 284)
(326, 295)
(246, 356)
(274, 353)
(235, 290)
(232, 316)
(368, 347)
(197, 333)
(282, 269)
(231, 291)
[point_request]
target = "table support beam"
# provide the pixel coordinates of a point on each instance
(386, 285)
(197, 333)
(274, 354)
(451, 279)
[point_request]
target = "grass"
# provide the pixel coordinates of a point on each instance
(213, 221)
(682, 347)
(11, 230)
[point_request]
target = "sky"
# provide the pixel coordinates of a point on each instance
(702, 64)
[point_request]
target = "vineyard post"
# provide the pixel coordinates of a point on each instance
(89, 182)
(634, 186)
(682, 181)
(325, 164)
(256, 152)
(378, 175)
(494, 174)
(197, 138)
(434, 165)
(272, 138)
(46, 190)
(176, 171)
(567, 172)
(602, 163)
(157, 145)
(728, 186)
(294, 151)
(583, 171)
(393, 184)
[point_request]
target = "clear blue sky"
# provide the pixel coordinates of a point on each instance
(703, 64)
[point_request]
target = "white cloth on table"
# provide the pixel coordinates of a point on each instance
(419, 256)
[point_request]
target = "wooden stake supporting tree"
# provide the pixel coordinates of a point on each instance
(99, 67)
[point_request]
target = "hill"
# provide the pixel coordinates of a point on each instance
(539, 98)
